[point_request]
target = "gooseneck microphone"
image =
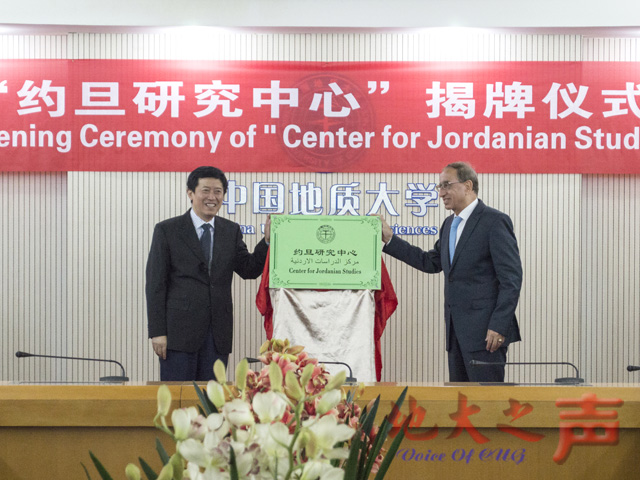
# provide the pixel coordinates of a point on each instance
(632, 368)
(113, 378)
(349, 379)
(564, 380)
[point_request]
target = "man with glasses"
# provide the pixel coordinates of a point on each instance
(478, 253)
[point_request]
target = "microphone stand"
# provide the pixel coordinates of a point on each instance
(564, 380)
(111, 378)
(349, 379)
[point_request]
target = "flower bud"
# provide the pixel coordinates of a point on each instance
(241, 374)
(307, 372)
(181, 423)
(303, 439)
(164, 400)
(166, 473)
(295, 350)
(178, 467)
(265, 346)
(275, 377)
(132, 472)
(215, 392)
(294, 390)
(336, 380)
(220, 371)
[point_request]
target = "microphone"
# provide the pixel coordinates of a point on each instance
(564, 380)
(113, 378)
(632, 368)
(349, 379)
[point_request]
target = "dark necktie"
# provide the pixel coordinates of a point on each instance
(453, 235)
(205, 242)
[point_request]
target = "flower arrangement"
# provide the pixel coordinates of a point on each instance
(290, 420)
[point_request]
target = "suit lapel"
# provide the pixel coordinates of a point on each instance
(469, 226)
(190, 237)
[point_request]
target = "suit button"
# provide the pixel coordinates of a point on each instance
(450, 279)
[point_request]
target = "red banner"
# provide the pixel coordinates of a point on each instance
(142, 115)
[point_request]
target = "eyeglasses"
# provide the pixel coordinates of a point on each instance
(445, 185)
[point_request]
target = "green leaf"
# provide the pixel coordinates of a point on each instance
(207, 405)
(362, 460)
(233, 466)
(164, 456)
(86, 471)
(101, 470)
(376, 447)
(391, 453)
(351, 467)
(148, 471)
(367, 422)
(350, 395)
(383, 432)
(400, 400)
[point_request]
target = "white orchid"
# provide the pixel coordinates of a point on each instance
(325, 433)
(274, 438)
(314, 469)
(217, 430)
(192, 472)
(269, 406)
(195, 452)
(328, 401)
(238, 413)
(288, 421)
(188, 423)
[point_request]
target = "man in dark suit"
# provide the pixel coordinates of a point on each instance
(478, 253)
(189, 273)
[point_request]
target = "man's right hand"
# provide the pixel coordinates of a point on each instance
(159, 345)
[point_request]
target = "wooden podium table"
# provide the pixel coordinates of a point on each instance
(458, 430)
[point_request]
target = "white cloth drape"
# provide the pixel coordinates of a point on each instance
(332, 325)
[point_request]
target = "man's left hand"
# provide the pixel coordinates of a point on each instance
(494, 340)
(267, 230)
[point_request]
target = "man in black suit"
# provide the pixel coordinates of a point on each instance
(189, 273)
(478, 253)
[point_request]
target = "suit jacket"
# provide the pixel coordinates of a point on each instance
(183, 298)
(482, 284)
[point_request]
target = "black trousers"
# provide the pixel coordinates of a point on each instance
(461, 371)
(186, 366)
